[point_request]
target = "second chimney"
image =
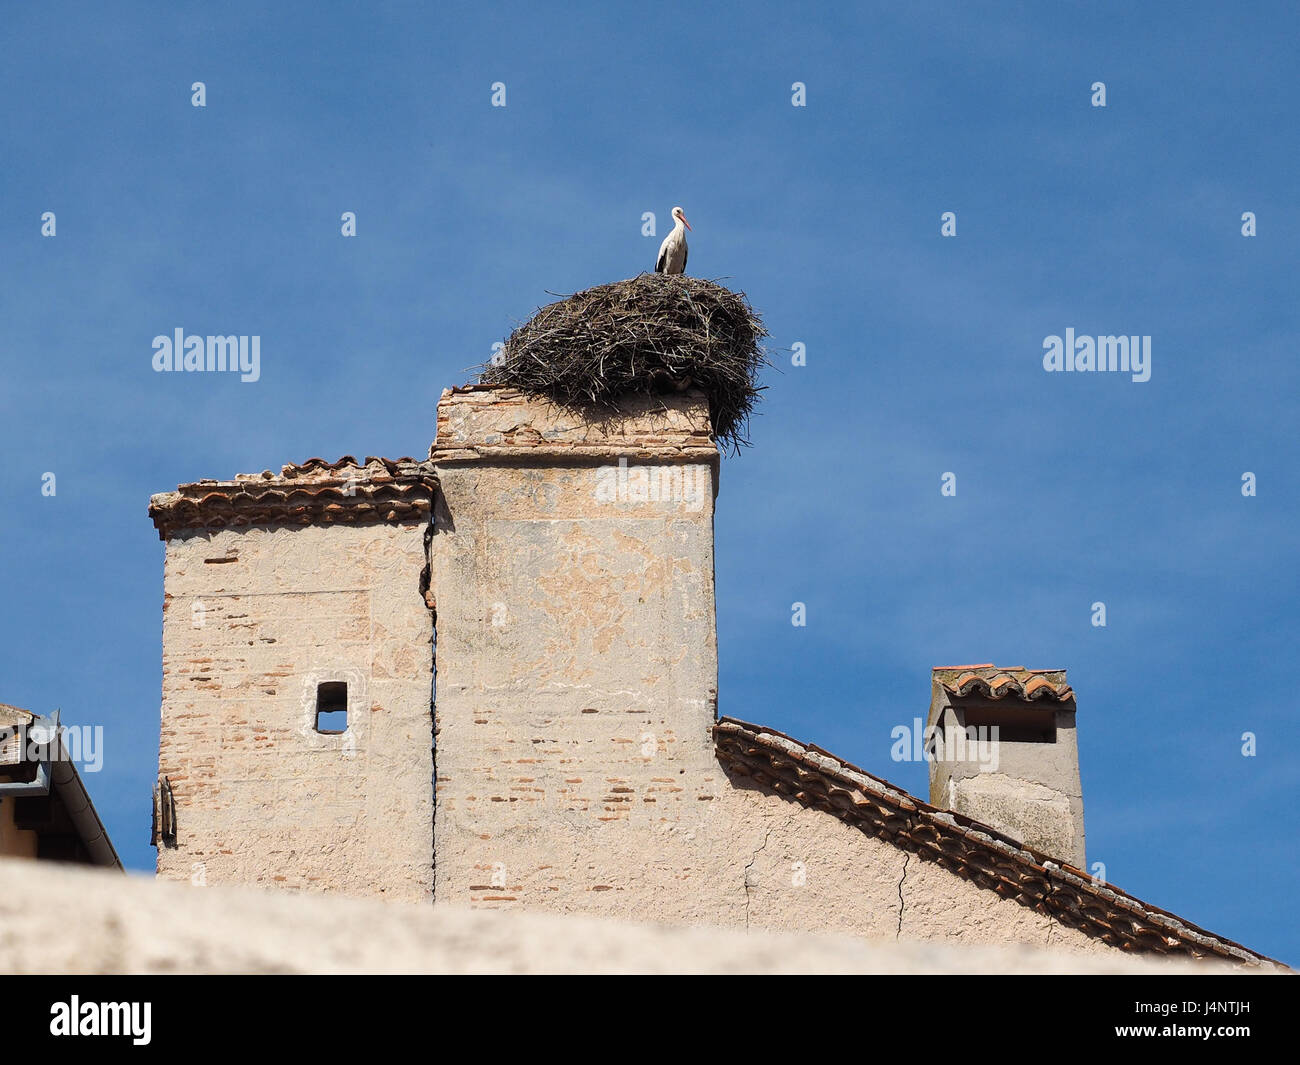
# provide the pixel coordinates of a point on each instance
(1004, 752)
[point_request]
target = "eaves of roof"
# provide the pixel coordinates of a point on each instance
(316, 492)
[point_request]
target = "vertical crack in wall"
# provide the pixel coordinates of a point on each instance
(426, 579)
(433, 783)
(907, 857)
(766, 836)
(426, 571)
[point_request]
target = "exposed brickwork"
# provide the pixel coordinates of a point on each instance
(480, 421)
(253, 621)
(577, 653)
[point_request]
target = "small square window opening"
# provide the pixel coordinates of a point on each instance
(332, 708)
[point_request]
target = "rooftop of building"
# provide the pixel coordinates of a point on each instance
(71, 813)
(990, 859)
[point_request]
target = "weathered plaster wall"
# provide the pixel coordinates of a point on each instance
(577, 659)
(252, 622)
(809, 871)
(577, 689)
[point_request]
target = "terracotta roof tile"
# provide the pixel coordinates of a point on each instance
(998, 682)
(965, 847)
(314, 492)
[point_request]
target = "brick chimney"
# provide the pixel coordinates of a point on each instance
(1005, 753)
(572, 574)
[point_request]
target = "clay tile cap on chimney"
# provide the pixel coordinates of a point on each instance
(1001, 681)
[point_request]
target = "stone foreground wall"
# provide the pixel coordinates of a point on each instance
(253, 621)
(91, 921)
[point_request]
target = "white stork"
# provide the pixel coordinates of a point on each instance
(672, 252)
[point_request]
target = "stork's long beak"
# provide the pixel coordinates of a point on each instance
(686, 223)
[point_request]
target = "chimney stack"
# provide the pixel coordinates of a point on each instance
(572, 571)
(1005, 753)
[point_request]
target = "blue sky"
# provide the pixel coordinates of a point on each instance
(924, 353)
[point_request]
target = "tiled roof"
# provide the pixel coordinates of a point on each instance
(315, 492)
(997, 682)
(964, 847)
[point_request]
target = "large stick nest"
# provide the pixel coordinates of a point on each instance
(653, 334)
